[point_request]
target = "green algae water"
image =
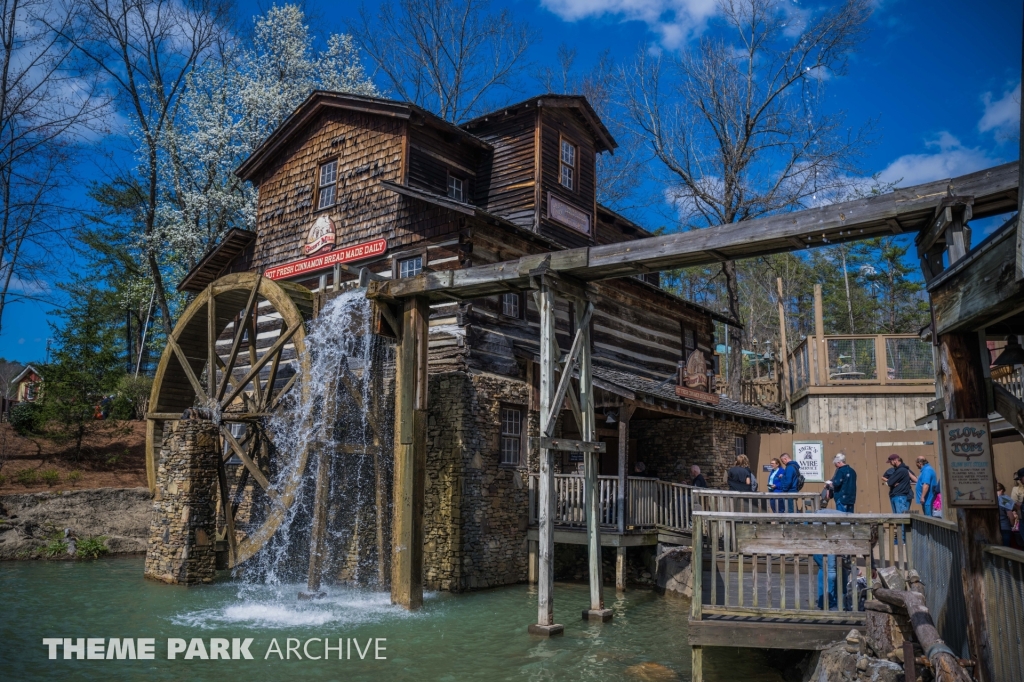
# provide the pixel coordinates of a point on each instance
(475, 636)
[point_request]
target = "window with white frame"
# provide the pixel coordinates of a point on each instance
(410, 267)
(567, 176)
(511, 434)
(328, 184)
(455, 188)
(741, 445)
(511, 306)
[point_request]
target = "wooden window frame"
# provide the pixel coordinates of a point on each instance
(739, 444)
(682, 333)
(521, 302)
(574, 167)
(520, 437)
(462, 187)
(319, 188)
(396, 261)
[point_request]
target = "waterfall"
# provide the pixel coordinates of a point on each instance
(340, 411)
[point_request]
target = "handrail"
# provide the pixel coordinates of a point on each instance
(1004, 593)
(1006, 553)
(779, 565)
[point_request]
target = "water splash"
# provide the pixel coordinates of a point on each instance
(341, 412)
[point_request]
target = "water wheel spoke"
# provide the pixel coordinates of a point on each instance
(211, 342)
(274, 365)
(236, 497)
(187, 367)
(284, 391)
(246, 459)
(236, 343)
(346, 377)
(258, 390)
(229, 516)
(255, 369)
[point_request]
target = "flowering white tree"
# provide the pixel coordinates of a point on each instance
(228, 107)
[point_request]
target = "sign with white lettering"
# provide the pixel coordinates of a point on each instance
(345, 254)
(809, 454)
(568, 215)
(320, 235)
(967, 460)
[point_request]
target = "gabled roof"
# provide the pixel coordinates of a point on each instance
(25, 372)
(604, 139)
(319, 100)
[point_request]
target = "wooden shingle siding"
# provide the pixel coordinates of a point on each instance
(505, 182)
(369, 149)
(432, 155)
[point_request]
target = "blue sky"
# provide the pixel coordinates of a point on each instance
(940, 78)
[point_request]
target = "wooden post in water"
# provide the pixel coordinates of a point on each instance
(964, 392)
(588, 433)
(545, 624)
(411, 390)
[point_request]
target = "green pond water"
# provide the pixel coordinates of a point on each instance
(476, 636)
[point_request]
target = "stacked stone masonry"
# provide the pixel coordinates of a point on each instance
(181, 540)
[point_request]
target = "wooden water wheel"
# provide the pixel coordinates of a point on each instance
(234, 355)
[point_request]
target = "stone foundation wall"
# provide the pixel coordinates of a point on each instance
(668, 447)
(181, 539)
(476, 512)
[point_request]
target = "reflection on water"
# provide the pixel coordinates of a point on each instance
(476, 636)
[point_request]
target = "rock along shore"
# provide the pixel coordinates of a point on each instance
(121, 515)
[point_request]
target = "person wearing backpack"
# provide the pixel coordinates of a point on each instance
(790, 480)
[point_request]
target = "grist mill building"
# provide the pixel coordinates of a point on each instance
(350, 182)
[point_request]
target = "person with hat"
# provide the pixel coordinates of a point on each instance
(927, 486)
(899, 480)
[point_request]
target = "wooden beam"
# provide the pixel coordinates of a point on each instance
(568, 445)
(410, 456)
(994, 191)
(625, 414)
(785, 397)
(964, 392)
(820, 351)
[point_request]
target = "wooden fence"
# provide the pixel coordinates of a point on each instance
(777, 566)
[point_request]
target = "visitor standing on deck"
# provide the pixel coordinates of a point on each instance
(844, 484)
(899, 479)
(927, 486)
(1005, 512)
(738, 477)
(788, 480)
(698, 477)
(773, 486)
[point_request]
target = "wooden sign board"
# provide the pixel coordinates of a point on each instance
(810, 456)
(693, 394)
(328, 259)
(967, 463)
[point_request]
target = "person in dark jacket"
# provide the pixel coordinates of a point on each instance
(698, 477)
(738, 478)
(787, 481)
(899, 479)
(844, 484)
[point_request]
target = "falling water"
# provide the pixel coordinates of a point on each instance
(339, 411)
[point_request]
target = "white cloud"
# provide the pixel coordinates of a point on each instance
(673, 20)
(1002, 116)
(951, 158)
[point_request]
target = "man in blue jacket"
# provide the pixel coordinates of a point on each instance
(844, 484)
(786, 482)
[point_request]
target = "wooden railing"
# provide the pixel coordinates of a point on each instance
(1004, 597)
(756, 503)
(879, 359)
(776, 566)
(655, 504)
(1011, 378)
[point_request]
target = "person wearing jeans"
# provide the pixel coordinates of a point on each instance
(899, 479)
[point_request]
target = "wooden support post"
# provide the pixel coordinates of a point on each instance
(625, 414)
(410, 456)
(532, 559)
(318, 540)
(820, 347)
(697, 664)
(620, 569)
(784, 350)
(545, 624)
(963, 389)
(591, 460)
